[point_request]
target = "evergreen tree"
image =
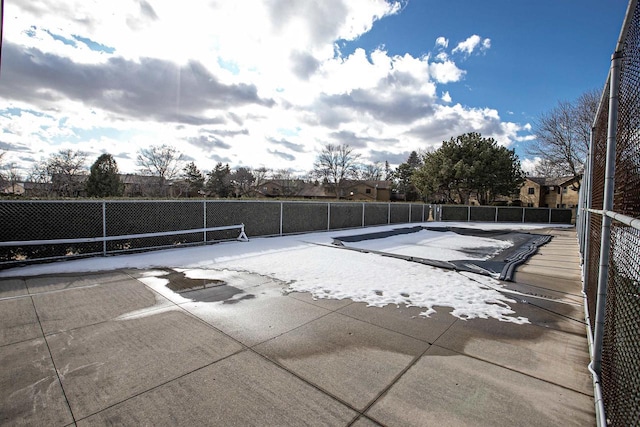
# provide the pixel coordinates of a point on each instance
(219, 181)
(388, 173)
(194, 179)
(104, 180)
(414, 160)
(466, 165)
(403, 177)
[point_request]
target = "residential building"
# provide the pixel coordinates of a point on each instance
(544, 192)
(351, 190)
(13, 188)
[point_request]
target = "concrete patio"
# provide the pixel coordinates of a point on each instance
(104, 348)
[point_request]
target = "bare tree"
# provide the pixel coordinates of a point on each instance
(288, 182)
(336, 163)
(2, 175)
(162, 161)
(242, 180)
(13, 177)
(371, 171)
(260, 175)
(65, 169)
(562, 135)
(547, 168)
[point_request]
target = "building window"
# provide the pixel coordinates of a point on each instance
(368, 191)
(532, 190)
(530, 205)
(565, 190)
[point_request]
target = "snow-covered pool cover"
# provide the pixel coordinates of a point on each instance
(494, 253)
(310, 263)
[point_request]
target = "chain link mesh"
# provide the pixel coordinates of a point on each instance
(509, 214)
(260, 218)
(417, 212)
(24, 221)
(301, 217)
(455, 213)
(144, 216)
(345, 215)
(399, 213)
(482, 213)
(376, 214)
(620, 368)
(621, 342)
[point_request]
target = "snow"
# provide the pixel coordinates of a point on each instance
(435, 245)
(309, 263)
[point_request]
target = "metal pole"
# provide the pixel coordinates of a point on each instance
(409, 212)
(204, 221)
(588, 191)
(605, 242)
(389, 213)
(362, 214)
(104, 228)
(328, 216)
(281, 213)
(468, 213)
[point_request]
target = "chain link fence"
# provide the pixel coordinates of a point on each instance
(609, 233)
(505, 214)
(44, 230)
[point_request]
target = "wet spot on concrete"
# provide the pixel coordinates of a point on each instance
(179, 283)
(237, 300)
(205, 290)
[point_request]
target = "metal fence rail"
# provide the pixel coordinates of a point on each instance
(609, 233)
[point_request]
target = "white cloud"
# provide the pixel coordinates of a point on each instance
(472, 43)
(446, 72)
(222, 84)
(442, 42)
(529, 165)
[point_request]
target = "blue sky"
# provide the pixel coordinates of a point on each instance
(268, 83)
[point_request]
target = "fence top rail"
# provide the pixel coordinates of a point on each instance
(627, 220)
(108, 201)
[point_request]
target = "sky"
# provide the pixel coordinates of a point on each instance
(268, 83)
(362, 277)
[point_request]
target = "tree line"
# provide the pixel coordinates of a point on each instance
(466, 166)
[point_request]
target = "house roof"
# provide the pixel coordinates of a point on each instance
(553, 181)
(371, 183)
(312, 190)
